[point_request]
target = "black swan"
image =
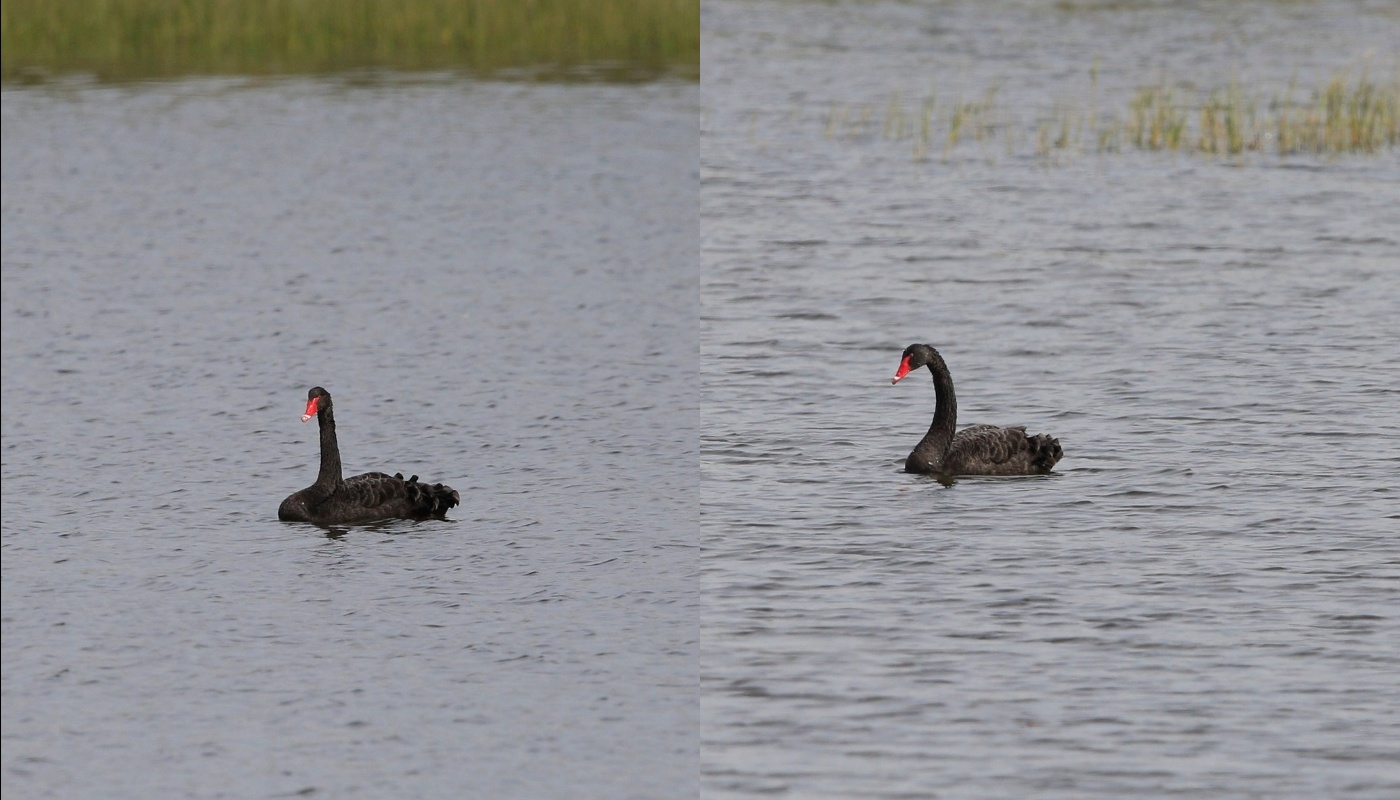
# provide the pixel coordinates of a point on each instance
(978, 450)
(363, 498)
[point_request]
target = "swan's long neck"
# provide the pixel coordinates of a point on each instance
(931, 450)
(330, 452)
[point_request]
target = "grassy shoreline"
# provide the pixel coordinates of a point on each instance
(119, 40)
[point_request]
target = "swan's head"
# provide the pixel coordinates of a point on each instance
(317, 399)
(915, 356)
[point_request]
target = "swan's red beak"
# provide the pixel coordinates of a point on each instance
(310, 409)
(902, 371)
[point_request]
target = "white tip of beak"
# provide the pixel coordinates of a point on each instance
(305, 417)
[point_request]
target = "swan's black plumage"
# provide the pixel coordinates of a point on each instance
(978, 450)
(363, 498)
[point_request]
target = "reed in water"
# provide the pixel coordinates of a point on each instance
(1342, 115)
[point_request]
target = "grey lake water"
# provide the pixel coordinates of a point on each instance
(647, 333)
(1204, 599)
(498, 283)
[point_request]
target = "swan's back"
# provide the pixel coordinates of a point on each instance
(989, 450)
(375, 496)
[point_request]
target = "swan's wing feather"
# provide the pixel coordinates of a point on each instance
(989, 444)
(989, 450)
(371, 490)
(393, 496)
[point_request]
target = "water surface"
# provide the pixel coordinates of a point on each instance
(1201, 600)
(497, 284)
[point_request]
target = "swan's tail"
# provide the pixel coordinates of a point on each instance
(1046, 451)
(432, 500)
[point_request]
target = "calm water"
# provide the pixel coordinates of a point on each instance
(1202, 601)
(498, 283)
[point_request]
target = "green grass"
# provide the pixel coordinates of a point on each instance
(118, 40)
(1340, 116)
(1362, 118)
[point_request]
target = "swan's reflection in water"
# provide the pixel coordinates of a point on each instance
(391, 527)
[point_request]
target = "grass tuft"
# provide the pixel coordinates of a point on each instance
(1342, 116)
